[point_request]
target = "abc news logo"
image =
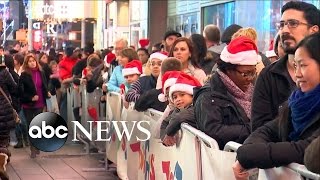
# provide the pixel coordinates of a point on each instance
(49, 132)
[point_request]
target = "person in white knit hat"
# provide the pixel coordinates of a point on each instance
(223, 107)
(145, 83)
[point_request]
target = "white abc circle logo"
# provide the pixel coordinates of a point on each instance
(43, 131)
(48, 131)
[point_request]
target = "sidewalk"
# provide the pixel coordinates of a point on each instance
(66, 164)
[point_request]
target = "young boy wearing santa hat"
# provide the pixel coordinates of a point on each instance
(179, 88)
(131, 73)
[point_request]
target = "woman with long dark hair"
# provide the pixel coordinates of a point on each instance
(33, 90)
(183, 50)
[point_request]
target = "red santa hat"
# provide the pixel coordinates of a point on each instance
(158, 55)
(108, 59)
(168, 79)
(184, 83)
(132, 67)
(241, 51)
(144, 42)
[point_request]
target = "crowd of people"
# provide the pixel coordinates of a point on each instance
(218, 83)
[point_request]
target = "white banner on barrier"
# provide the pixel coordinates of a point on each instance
(160, 162)
(216, 164)
(114, 108)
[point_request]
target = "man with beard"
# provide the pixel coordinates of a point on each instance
(276, 82)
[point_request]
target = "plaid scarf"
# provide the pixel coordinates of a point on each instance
(243, 98)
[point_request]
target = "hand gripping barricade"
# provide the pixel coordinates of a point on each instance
(293, 171)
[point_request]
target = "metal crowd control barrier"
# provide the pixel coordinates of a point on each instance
(301, 169)
(295, 167)
(232, 146)
(70, 99)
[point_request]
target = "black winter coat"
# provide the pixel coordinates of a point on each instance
(15, 96)
(269, 146)
(219, 115)
(28, 90)
(273, 87)
(6, 111)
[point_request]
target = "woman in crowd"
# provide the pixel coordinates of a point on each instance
(284, 140)
(44, 63)
(205, 60)
(33, 90)
(182, 49)
(116, 79)
(18, 61)
(223, 107)
(7, 122)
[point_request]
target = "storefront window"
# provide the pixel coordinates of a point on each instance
(186, 24)
(261, 15)
(138, 22)
(221, 15)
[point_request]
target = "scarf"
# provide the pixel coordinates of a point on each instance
(243, 98)
(304, 106)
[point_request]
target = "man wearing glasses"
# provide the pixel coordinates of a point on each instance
(276, 82)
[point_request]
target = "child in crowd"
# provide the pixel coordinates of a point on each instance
(179, 87)
(131, 73)
(149, 99)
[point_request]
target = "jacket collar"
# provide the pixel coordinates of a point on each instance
(280, 66)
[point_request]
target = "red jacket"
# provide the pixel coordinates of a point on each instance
(65, 67)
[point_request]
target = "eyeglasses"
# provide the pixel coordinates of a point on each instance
(156, 63)
(247, 74)
(291, 23)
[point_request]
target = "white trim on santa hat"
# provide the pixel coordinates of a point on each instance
(158, 55)
(241, 58)
(181, 87)
(130, 71)
(168, 83)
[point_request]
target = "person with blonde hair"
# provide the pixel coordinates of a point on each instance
(252, 34)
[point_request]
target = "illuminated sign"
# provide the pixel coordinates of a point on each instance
(54, 9)
(49, 28)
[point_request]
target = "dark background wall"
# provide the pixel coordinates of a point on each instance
(157, 20)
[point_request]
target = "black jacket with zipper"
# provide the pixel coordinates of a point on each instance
(219, 115)
(273, 87)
